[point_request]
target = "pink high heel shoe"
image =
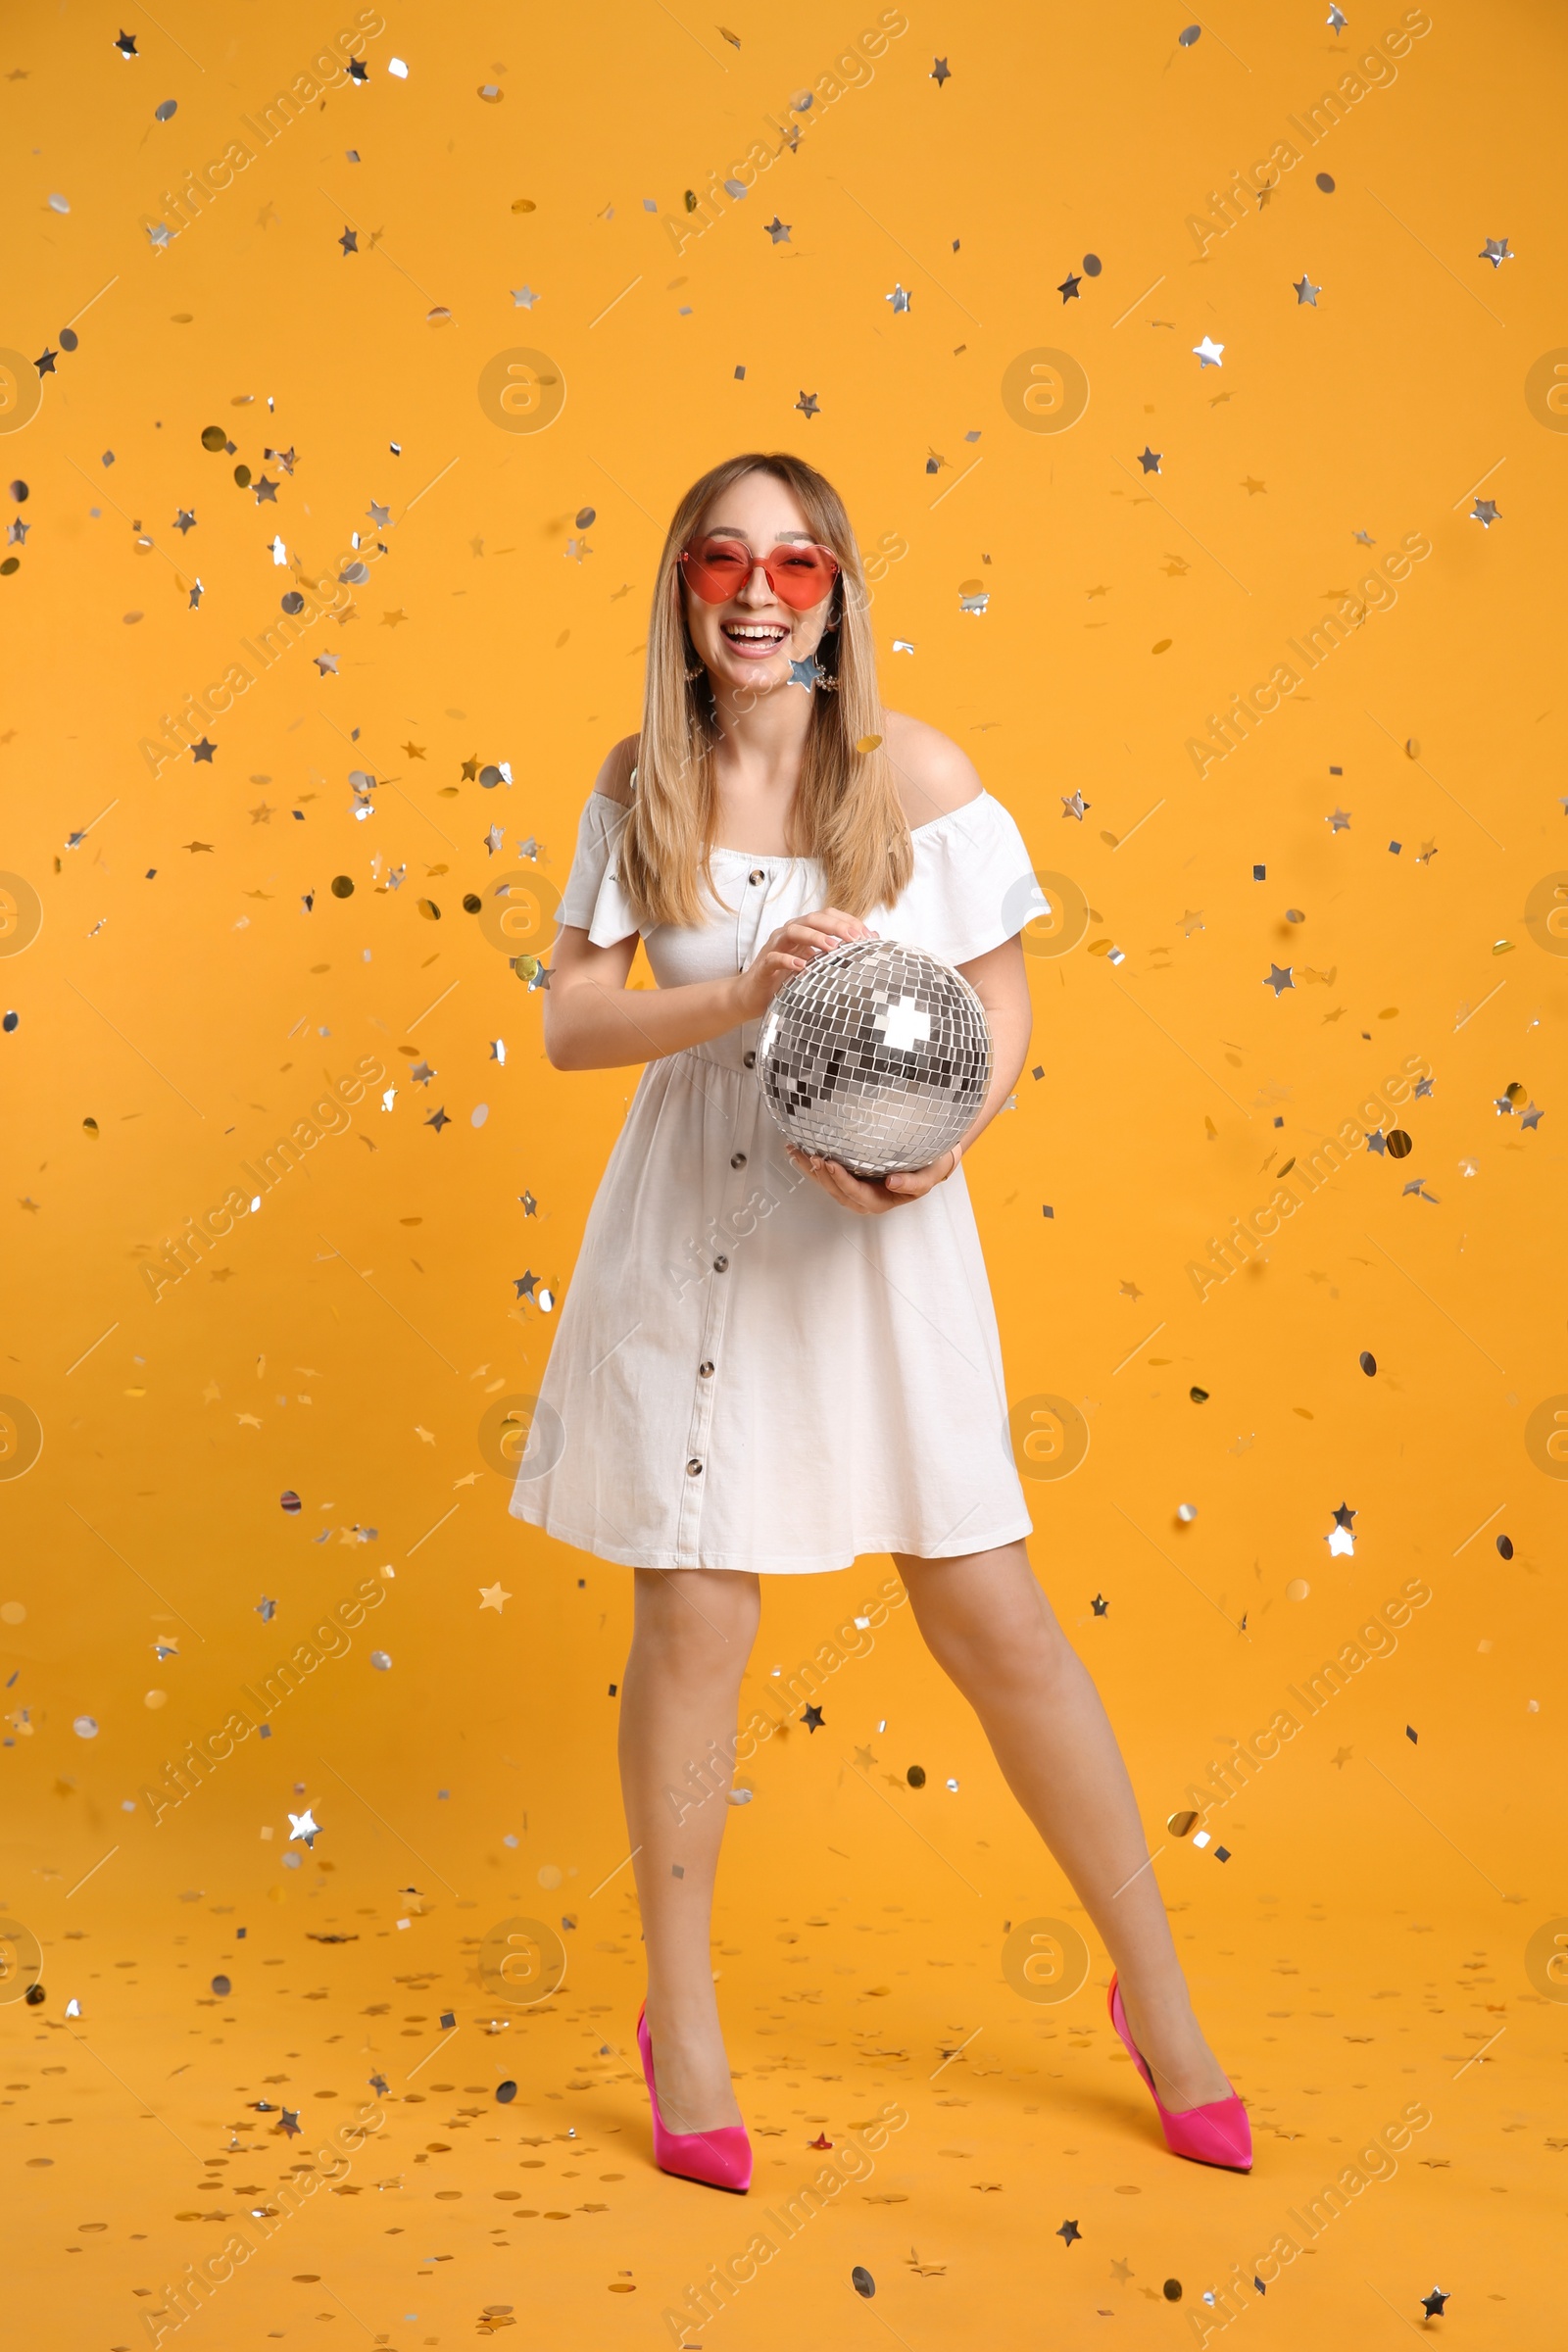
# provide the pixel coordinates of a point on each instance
(1218, 2133)
(719, 2159)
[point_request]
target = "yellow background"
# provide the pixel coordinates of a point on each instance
(347, 1343)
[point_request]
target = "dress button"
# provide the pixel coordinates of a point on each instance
(757, 875)
(750, 1059)
(705, 1371)
(721, 1265)
(737, 1159)
(694, 1468)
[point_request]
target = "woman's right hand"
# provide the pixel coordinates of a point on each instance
(790, 950)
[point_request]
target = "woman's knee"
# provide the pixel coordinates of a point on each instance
(704, 1618)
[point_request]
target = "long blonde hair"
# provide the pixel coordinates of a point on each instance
(846, 811)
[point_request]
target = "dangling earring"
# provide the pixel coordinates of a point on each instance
(692, 675)
(828, 682)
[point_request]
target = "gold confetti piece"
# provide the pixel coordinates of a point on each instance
(733, 38)
(524, 204)
(90, 1127)
(1503, 946)
(1163, 647)
(869, 743)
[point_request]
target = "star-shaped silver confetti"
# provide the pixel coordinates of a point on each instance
(184, 520)
(381, 517)
(1338, 822)
(1531, 1117)
(126, 45)
(1337, 17)
(939, 73)
(195, 597)
(1305, 291)
(899, 298)
(1366, 538)
(304, 1826)
(1208, 353)
(157, 234)
(1423, 1086)
(1484, 512)
(1279, 980)
(1074, 805)
(266, 491)
(778, 231)
(1377, 1142)
(807, 673)
(1417, 1185)
(350, 241)
(1068, 288)
(975, 604)
(524, 1284)
(495, 840)
(438, 1119)
(1496, 251)
(422, 1073)
(326, 664)
(204, 751)
(807, 405)
(523, 297)
(1148, 458)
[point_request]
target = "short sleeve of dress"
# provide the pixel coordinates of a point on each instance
(593, 900)
(973, 885)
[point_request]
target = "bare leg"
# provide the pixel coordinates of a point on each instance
(987, 1622)
(691, 1639)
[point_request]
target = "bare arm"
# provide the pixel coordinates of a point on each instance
(594, 1022)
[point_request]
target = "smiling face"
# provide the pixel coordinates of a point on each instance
(751, 639)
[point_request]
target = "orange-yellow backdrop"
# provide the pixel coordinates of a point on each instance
(440, 282)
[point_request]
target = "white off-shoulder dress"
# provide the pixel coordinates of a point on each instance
(745, 1375)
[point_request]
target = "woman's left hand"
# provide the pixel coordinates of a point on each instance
(874, 1199)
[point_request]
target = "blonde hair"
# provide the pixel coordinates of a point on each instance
(846, 811)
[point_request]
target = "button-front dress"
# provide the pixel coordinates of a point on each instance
(745, 1375)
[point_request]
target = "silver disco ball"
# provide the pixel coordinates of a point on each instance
(876, 1056)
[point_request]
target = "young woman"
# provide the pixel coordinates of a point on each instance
(765, 1366)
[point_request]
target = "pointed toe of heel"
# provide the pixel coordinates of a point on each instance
(718, 2159)
(1218, 2133)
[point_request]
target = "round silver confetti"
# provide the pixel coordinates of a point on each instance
(876, 1056)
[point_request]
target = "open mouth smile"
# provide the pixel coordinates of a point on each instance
(754, 640)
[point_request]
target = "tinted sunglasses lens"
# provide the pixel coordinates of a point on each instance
(715, 569)
(802, 576)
